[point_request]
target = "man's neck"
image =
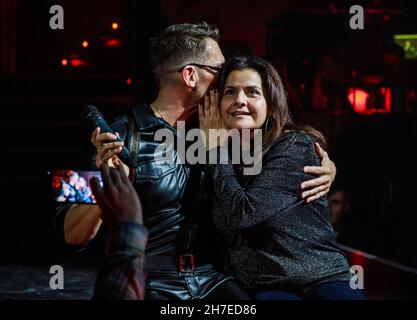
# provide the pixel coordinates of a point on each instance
(172, 107)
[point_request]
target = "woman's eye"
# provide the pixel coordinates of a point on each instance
(252, 92)
(228, 92)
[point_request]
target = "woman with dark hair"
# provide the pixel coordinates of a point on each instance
(279, 246)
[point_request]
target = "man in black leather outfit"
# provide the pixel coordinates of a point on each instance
(181, 256)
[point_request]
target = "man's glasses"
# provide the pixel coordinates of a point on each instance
(215, 69)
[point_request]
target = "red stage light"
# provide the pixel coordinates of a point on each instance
(129, 81)
(357, 99)
(113, 43)
(386, 92)
(77, 63)
(64, 62)
(85, 44)
(365, 102)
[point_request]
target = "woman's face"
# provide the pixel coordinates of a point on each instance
(243, 105)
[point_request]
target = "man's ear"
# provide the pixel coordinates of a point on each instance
(190, 76)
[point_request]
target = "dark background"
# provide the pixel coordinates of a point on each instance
(41, 100)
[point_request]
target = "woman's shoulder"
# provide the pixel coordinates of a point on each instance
(292, 139)
(293, 147)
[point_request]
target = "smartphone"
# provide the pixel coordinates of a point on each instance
(73, 186)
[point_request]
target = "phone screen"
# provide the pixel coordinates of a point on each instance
(73, 186)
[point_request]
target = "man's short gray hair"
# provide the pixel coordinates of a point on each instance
(179, 45)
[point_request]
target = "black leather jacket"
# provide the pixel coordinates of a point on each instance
(176, 212)
(160, 184)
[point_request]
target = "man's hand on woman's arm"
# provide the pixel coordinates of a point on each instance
(320, 186)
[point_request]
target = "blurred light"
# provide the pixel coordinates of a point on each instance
(78, 63)
(363, 103)
(64, 62)
(358, 99)
(386, 92)
(129, 81)
(409, 43)
(358, 258)
(113, 43)
(115, 26)
(85, 44)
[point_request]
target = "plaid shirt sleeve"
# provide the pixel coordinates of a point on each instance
(121, 277)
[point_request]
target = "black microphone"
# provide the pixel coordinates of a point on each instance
(96, 119)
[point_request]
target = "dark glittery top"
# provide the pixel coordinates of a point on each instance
(276, 240)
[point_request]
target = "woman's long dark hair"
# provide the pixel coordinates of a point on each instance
(280, 119)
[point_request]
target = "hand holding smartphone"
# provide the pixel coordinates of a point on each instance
(73, 186)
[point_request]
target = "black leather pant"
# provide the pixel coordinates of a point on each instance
(204, 282)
